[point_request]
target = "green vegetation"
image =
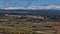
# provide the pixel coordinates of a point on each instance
(27, 25)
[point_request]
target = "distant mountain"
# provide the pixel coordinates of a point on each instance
(30, 11)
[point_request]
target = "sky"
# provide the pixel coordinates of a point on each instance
(24, 3)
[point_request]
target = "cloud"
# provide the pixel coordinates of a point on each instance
(44, 7)
(35, 7)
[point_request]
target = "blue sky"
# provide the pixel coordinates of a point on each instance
(23, 3)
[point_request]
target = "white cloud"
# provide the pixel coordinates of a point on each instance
(44, 7)
(35, 7)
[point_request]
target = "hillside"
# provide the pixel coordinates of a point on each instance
(33, 12)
